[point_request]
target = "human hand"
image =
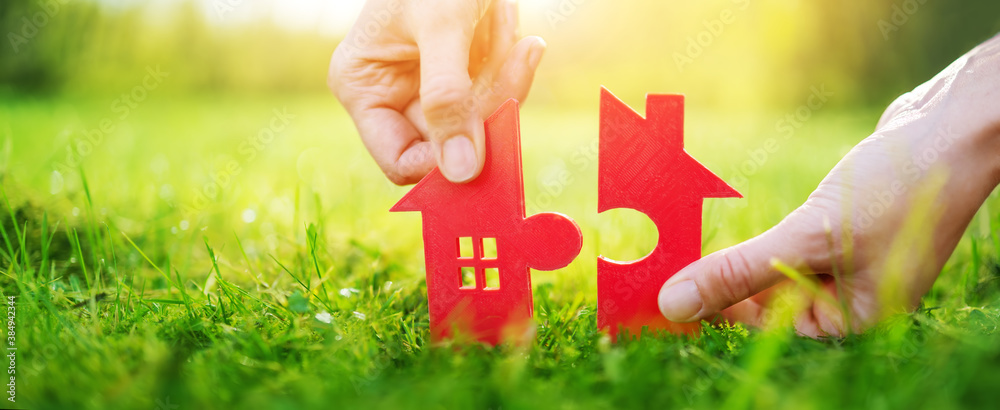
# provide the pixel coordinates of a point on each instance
(884, 220)
(419, 77)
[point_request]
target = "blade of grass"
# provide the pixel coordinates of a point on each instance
(44, 243)
(114, 267)
(92, 232)
(187, 302)
(312, 235)
(838, 278)
(304, 285)
(48, 247)
(3, 230)
(805, 283)
(326, 303)
(223, 285)
(971, 275)
(167, 301)
(75, 240)
(25, 259)
(11, 255)
(249, 264)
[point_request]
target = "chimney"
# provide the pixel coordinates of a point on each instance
(665, 118)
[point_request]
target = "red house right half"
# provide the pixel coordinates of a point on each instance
(643, 166)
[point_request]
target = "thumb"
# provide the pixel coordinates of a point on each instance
(721, 279)
(454, 124)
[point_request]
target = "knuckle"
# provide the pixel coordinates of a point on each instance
(410, 167)
(399, 175)
(437, 17)
(398, 179)
(731, 278)
(442, 94)
(818, 230)
(899, 105)
(445, 104)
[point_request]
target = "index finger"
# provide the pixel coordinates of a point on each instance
(395, 144)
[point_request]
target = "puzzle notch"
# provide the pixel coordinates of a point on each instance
(490, 210)
(642, 165)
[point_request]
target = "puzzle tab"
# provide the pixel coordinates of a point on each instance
(643, 166)
(479, 247)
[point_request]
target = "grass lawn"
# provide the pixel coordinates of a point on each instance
(158, 274)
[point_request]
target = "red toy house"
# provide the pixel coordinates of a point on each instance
(478, 246)
(643, 166)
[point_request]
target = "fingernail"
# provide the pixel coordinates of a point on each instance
(458, 161)
(681, 302)
(535, 55)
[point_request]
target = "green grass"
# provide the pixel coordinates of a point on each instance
(125, 299)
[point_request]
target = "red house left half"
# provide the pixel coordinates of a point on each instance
(479, 247)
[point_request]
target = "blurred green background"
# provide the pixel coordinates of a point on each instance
(174, 121)
(228, 65)
(767, 52)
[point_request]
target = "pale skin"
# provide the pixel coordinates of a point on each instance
(418, 77)
(419, 83)
(951, 125)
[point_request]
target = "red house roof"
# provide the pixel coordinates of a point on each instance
(498, 192)
(489, 207)
(643, 166)
(641, 157)
(493, 203)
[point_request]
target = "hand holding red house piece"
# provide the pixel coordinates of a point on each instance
(419, 86)
(643, 166)
(485, 292)
(478, 245)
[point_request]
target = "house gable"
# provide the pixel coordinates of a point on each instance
(498, 190)
(643, 166)
(640, 156)
(491, 207)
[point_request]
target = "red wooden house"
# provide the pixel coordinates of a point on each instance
(478, 245)
(643, 166)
